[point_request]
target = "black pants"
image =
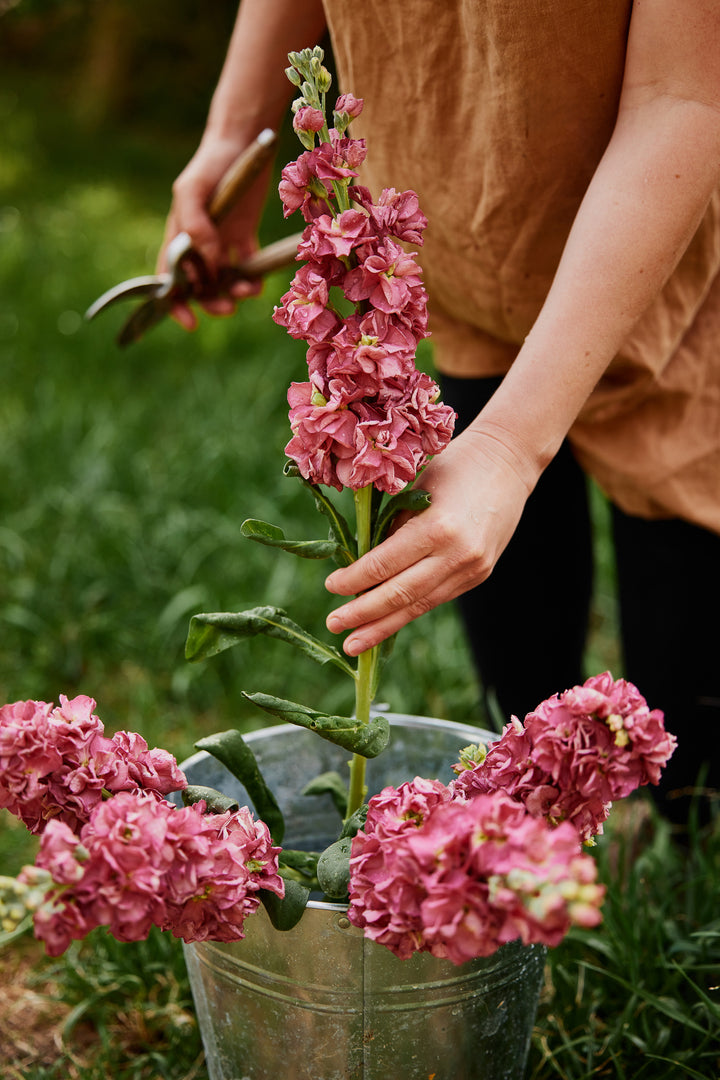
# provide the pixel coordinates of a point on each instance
(527, 623)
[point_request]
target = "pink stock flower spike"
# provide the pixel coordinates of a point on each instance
(575, 754)
(141, 862)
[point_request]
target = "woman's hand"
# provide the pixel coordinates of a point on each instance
(478, 486)
(219, 246)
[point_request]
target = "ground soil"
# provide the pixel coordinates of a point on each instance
(31, 1017)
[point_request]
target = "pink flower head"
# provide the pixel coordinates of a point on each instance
(396, 810)
(416, 400)
(575, 754)
(632, 743)
(397, 213)
(349, 104)
(388, 278)
(323, 435)
(304, 308)
(306, 184)
(148, 770)
(27, 755)
(334, 236)
(307, 119)
(461, 879)
(347, 154)
(56, 763)
(140, 862)
(387, 451)
(374, 344)
(366, 416)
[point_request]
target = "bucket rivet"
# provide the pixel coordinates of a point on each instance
(343, 923)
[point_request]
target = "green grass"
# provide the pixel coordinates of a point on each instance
(126, 476)
(639, 997)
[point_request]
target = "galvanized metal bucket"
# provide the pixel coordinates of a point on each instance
(320, 1002)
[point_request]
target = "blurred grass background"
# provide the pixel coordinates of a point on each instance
(125, 477)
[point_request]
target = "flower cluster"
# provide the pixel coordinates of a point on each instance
(140, 861)
(437, 874)
(575, 754)
(366, 415)
(497, 855)
(57, 763)
(18, 901)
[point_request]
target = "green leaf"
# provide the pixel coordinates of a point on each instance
(233, 752)
(217, 803)
(355, 822)
(286, 913)
(304, 862)
(384, 652)
(330, 783)
(272, 536)
(413, 499)
(333, 869)
(340, 531)
(365, 739)
(213, 632)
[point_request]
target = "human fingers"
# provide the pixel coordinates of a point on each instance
(184, 316)
(429, 556)
(188, 214)
(381, 612)
(401, 550)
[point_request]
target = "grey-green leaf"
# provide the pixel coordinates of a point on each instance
(384, 652)
(233, 752)
(333, 869)
(213, 632)
(366, 739)
(330, 783)
(272, 536)
(340, 531)
(286, 913)
(355, 822)
(216, 802)
(304, 862)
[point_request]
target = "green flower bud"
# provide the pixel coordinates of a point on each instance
(472, 755)
(324, 80)
(341, 121)
(307, 138)
(293, 76)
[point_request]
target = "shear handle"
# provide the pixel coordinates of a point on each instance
(241, 174)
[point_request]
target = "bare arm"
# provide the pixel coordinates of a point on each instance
(252, 93)
(640, 211)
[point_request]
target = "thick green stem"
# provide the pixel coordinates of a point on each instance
(366, 660)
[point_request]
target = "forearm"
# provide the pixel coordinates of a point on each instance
(641, 209)
(252, 91)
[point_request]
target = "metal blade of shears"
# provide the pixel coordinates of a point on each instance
(275, 256)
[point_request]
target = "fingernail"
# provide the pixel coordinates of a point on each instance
(329, 583)
(333, 624)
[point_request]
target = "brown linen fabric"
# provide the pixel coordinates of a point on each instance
(497, 112)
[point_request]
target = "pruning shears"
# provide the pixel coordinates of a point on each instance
(187, 275)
